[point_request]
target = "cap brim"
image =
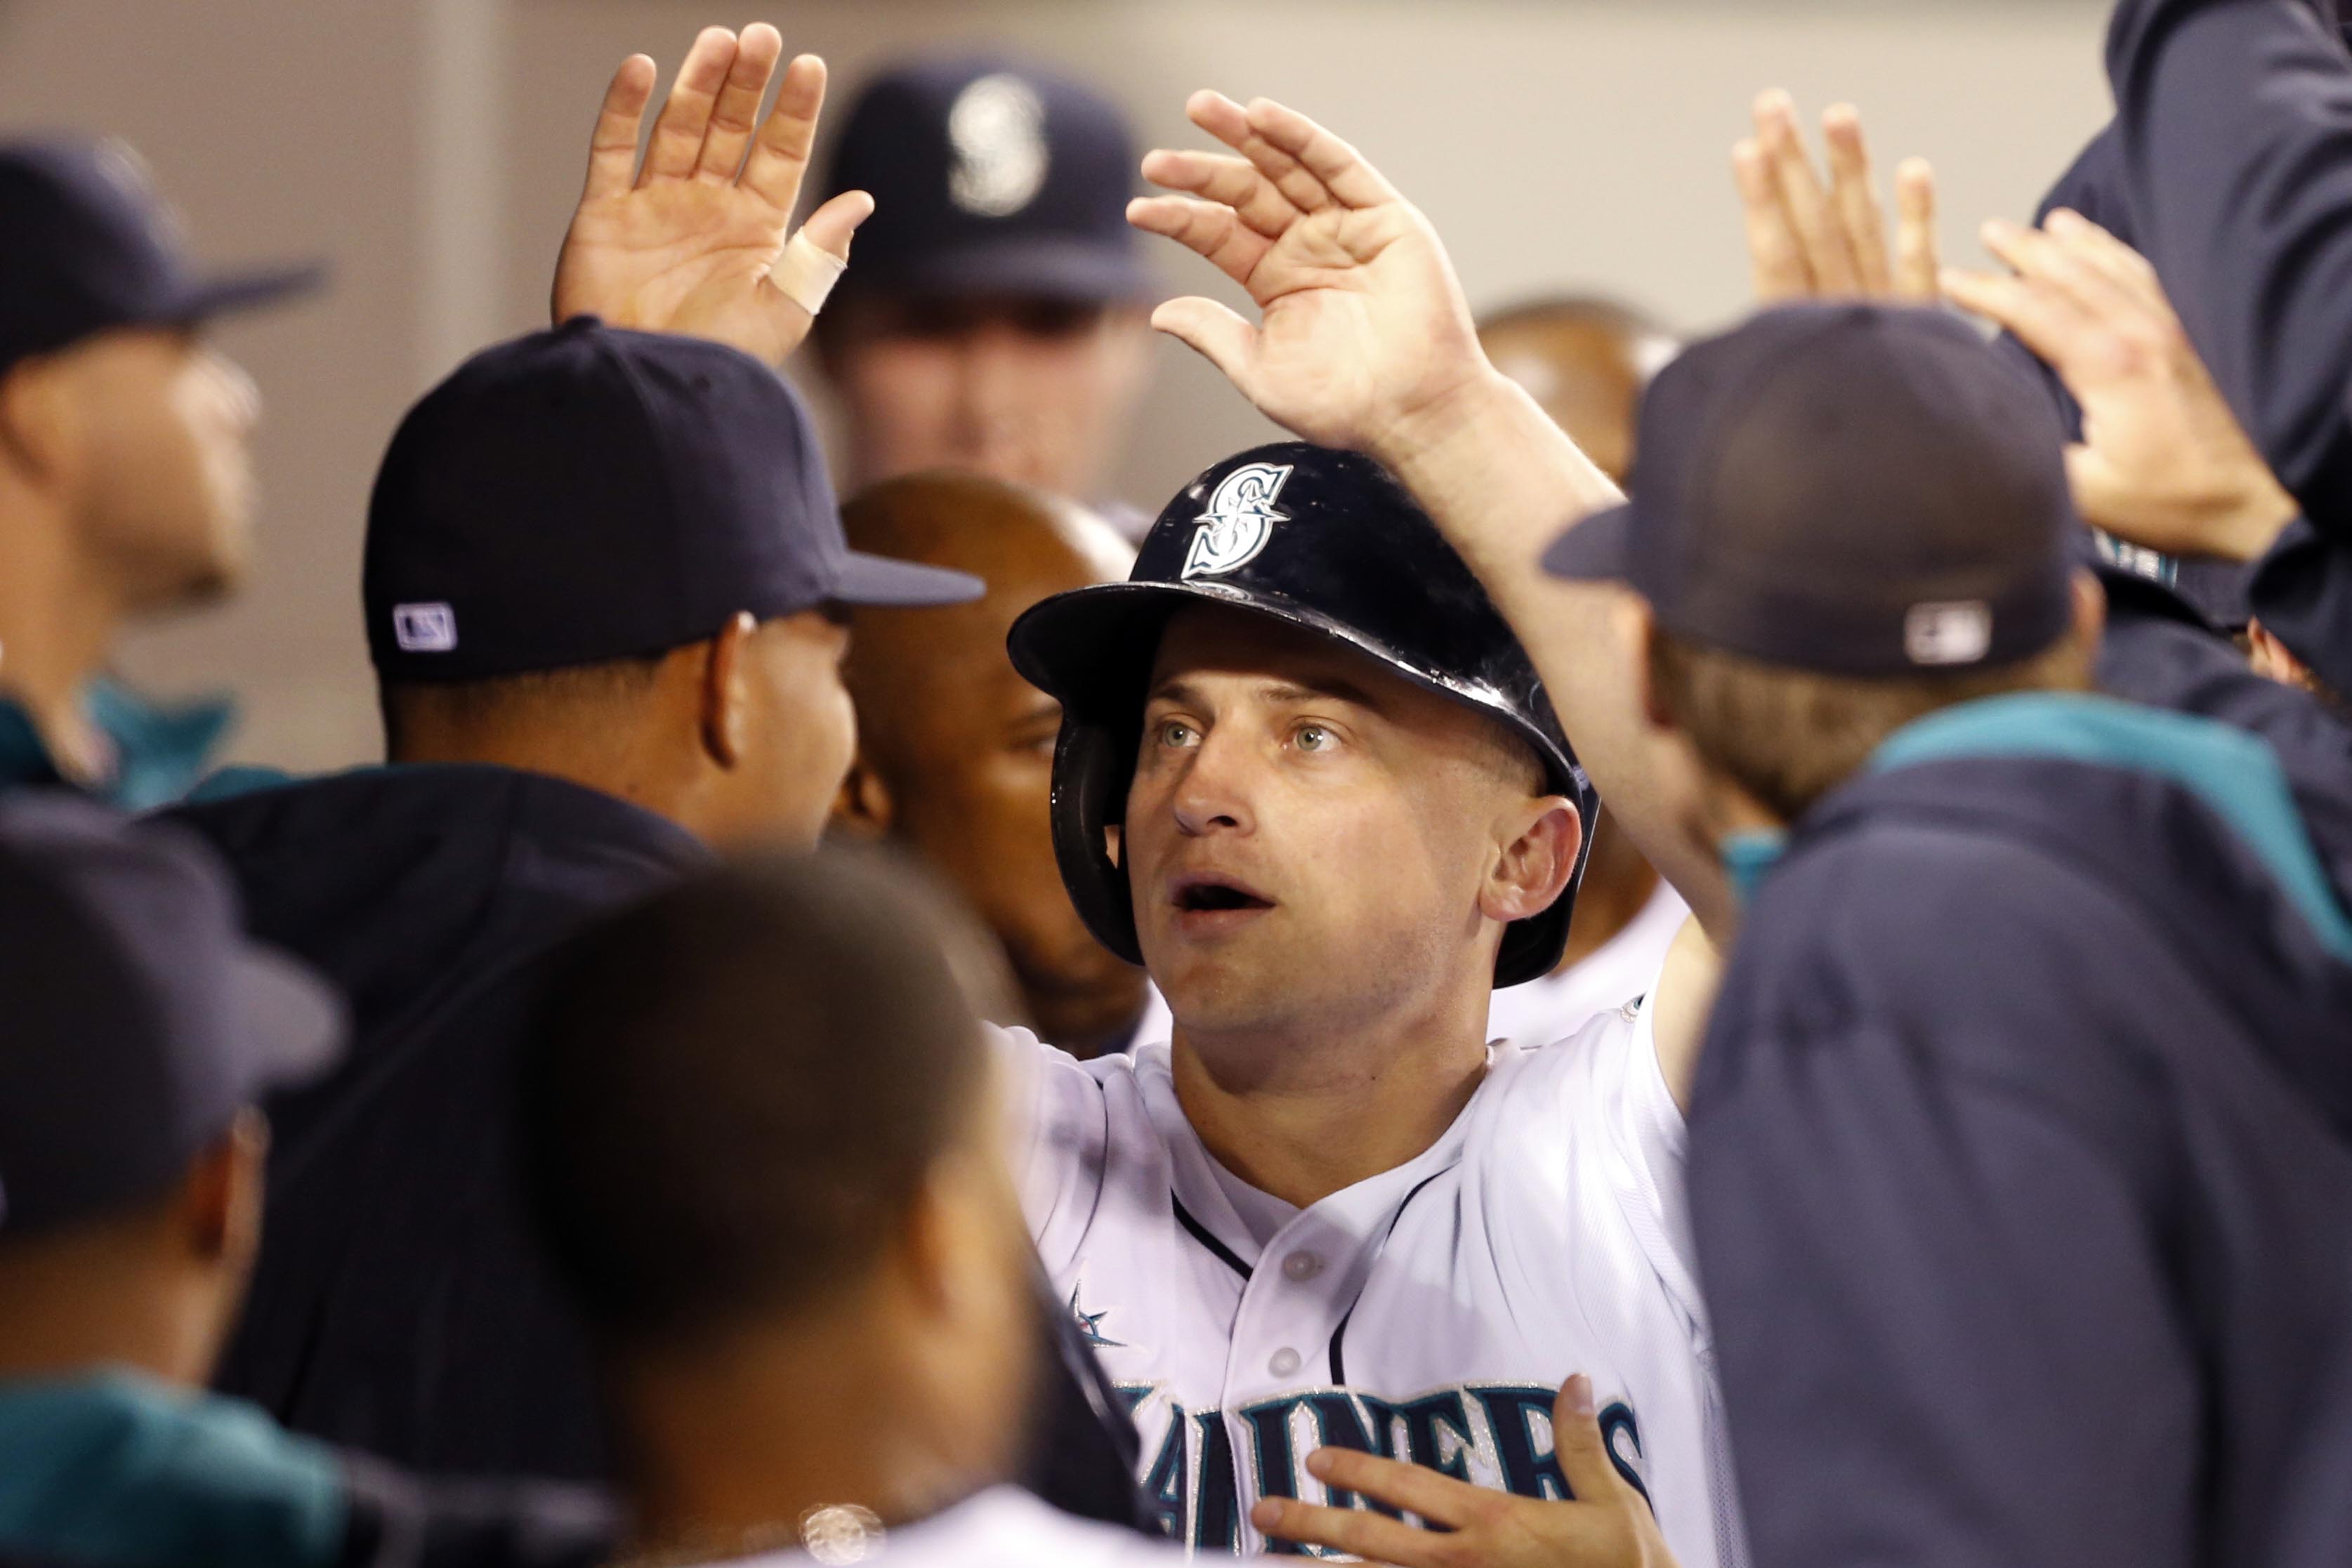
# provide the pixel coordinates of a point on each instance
(230, 293)
(293, 1023)
(1594, 550)
(882, 583)
(1032, 269)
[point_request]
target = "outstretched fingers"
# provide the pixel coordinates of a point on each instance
(1918, 255)
(1336, 166)
(678, 130)
(1229, 122)
(1855, 192)
(829, 227)
(1214, 232)
(779, 154)
(612, 146)
(736, 113)
(1776, 259)
(1809, 208)
(1229, 182)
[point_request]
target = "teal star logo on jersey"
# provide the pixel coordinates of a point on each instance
(1090, 1324)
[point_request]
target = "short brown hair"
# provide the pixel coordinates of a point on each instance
(731, 1094)
(1787, 736)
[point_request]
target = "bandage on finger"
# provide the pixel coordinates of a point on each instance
(806, 272)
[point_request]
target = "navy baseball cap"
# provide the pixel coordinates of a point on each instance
(91, 246)
(589, 494)
(138, 1018)
(1854, 489)
(990, 177)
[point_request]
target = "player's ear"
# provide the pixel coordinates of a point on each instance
(218, 1205)
(1536, 859)
(864, 807)
(726, 715)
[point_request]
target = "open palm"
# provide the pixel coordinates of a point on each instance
(1363, 325)
(685, 243)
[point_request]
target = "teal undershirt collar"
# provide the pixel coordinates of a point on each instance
(115, 1466)
(160, 751)
(2236, 775)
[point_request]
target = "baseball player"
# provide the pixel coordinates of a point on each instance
(767, 1159)
(125, 476)
(1308, 778)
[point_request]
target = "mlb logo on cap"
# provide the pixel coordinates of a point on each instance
(424, 628)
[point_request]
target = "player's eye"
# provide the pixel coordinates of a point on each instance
(1313, 738)
(1176, 734)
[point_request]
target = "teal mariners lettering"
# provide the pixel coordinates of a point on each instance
(1493, 1434)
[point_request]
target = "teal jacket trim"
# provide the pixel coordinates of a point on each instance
(1748, 857)
(2235, 774)
(160, 751)
(115, 1466)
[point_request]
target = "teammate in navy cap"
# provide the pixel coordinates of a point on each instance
(605, 589)
(2022, 1120)
(993, 321)
(143, 1031)
(126, 487)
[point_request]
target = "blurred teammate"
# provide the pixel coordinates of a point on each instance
(126, 484)
(994, 321)
(955, 750)
(1586, 360)
(142, 1029)
(570, 719)
(2022, 1121)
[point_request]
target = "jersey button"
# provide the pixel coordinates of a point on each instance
(1285, 1362)
(1300, 1266)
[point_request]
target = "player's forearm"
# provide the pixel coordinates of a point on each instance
(2235, 119)
(1502, 481)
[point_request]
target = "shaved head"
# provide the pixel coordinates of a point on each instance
(1585, 359)
(956, 749)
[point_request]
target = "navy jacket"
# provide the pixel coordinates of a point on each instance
(400, 1305)
(2021, 1156)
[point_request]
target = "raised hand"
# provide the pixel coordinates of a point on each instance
(2163, 462)
(1811, 241)
(684, 243)
(1609, 1524)
(1362, 327)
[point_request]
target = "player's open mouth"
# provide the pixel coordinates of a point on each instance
(1210, 894)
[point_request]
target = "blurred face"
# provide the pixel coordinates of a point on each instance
(1588, 377)
(799, 732)
(965, 748)
(1309, 837)
(1033, 391)
(163, 479)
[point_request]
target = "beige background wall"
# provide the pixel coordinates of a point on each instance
(431, 147)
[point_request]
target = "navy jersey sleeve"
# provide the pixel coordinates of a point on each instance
(2235, 120)
(1941, 1318)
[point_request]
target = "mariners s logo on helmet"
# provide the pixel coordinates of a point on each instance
(1239, 519)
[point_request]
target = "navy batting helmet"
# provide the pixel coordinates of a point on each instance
(1316, 538)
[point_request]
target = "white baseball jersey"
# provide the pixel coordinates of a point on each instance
(1001, 1527)
(1428, 1313)
(1554, 1007)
